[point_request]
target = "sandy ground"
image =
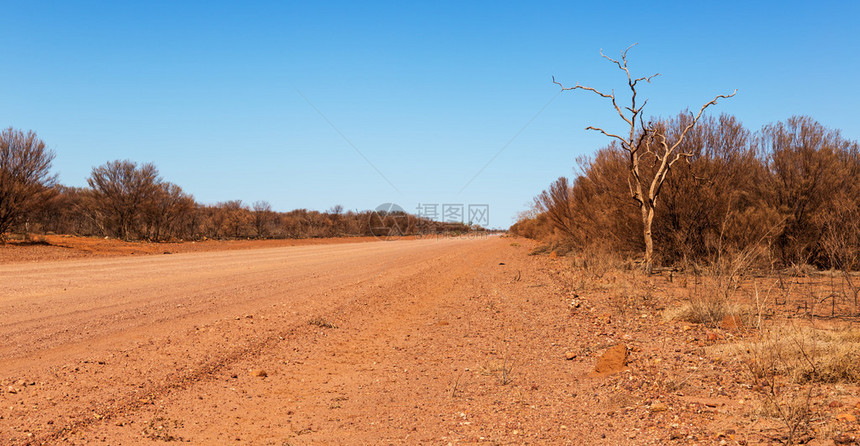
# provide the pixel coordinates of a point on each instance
(450, 341)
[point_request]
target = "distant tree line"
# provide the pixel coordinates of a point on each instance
(792, 187)
(131, 201)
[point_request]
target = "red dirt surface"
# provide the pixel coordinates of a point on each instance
(448, 341)
(59, 247)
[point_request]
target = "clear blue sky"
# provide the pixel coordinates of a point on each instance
(428, 92)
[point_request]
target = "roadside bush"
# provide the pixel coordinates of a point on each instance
(26, 183)
(792, 185)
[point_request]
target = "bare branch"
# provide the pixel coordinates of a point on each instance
(624, 54)
(582, 87)
(624, 143)
(712, 102)
(696, 119)
(610, 96)
(645, 78)
(638, 110)
(623, 57)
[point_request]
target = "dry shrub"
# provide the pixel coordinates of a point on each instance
(797, 175)
(26, 183)
(502, 369)
(803, 355)
(788, 364)
(597, 267)
(709, 310)
(598, 260)
(792, 407)
(712, 298)
(560, 247)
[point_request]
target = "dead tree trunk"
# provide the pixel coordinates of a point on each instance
(647, 221)
(643, 140)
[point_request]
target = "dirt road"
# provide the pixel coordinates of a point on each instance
(359, 343)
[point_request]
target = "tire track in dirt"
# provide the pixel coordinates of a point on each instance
(79, 382)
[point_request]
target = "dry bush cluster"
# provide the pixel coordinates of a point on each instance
(789, 364)
(132, 201)
(25, 178)
(792, 186)
(801, 354)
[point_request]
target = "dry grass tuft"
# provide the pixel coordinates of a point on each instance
(711, 300)
(321, 322)
(789, 363)
(806, 355)
(710, 310)
(597, 261)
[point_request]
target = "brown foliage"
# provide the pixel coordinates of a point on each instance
(791, 187)
(120, 193)
(810, 169)
(25, 179)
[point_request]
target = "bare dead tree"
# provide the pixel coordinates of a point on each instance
(25, 179)
(644, 141)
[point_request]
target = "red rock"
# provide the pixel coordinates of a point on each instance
(612, 361)
(658, 407)
(847, 417)
(731, 322)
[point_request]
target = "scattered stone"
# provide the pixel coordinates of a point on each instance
(11, 390)
(847, 417)
(844, 439)
(260, 373)
(658, 407)
(836, 404)
(569, 356)
(612, 361)
(731, 322)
